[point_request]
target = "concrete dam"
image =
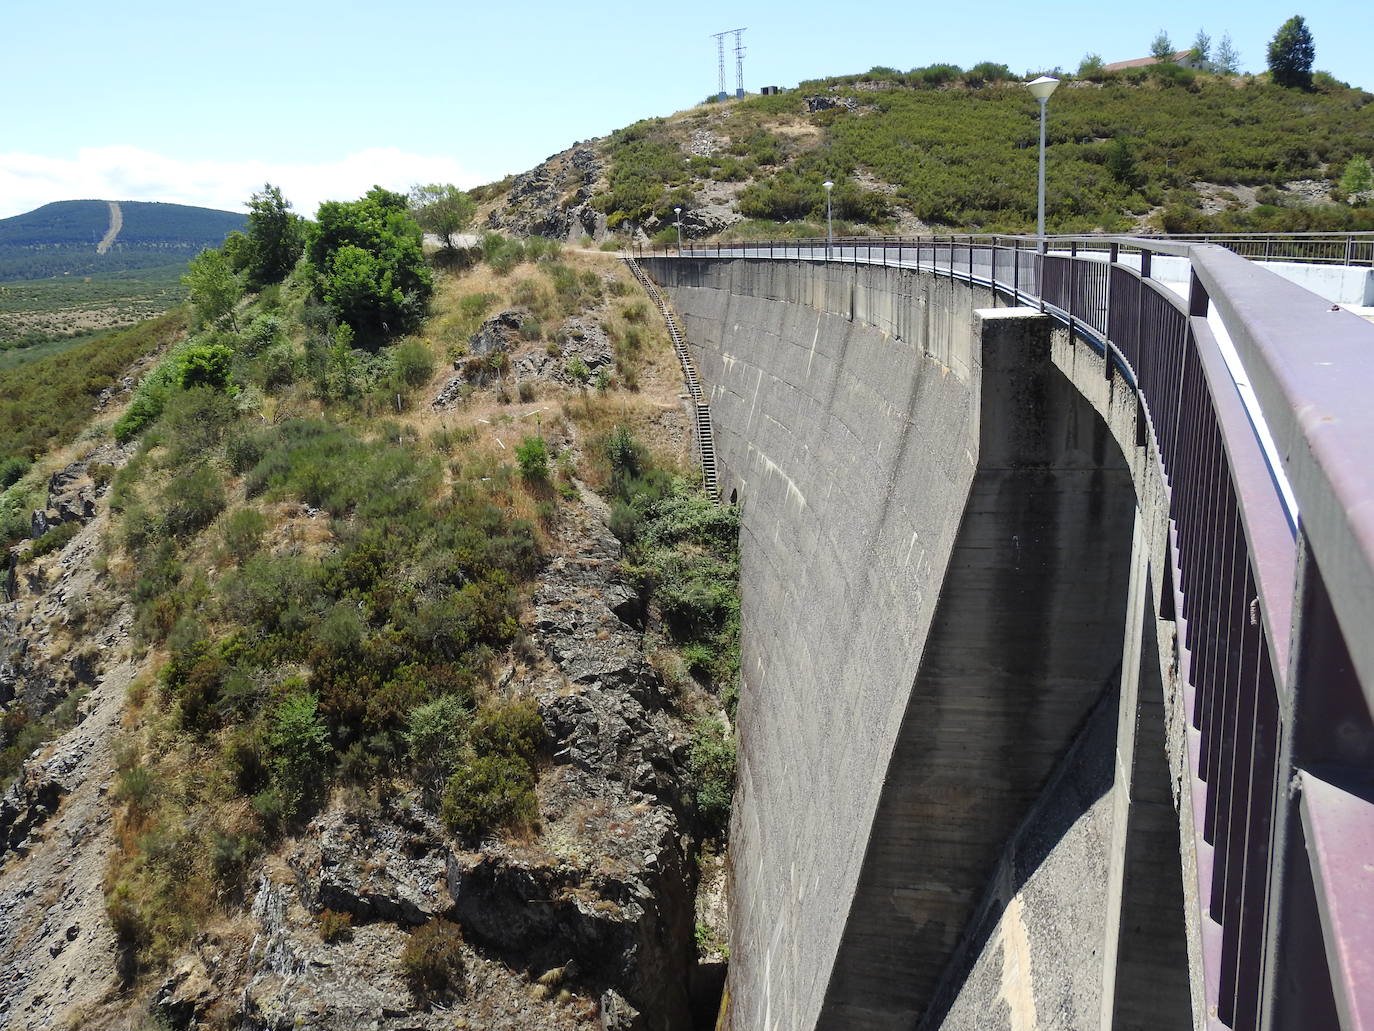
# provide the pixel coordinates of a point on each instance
(964, 783)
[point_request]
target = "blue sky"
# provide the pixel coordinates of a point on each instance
(200, 103)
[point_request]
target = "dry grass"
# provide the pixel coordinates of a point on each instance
(489, 428)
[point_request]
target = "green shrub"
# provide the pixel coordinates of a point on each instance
(413, 362)
(11, 469)
(136, 787)
(298, 748)
(191, 500)
(711, 762)
(489, 792)
(231, 855)
(193, 421)
(501, 253)
(204, 365)
(243, 530)
(987, 71)
(55, 539)
(511, 729)
(474, 306)
(626, 457)
(934, 74)
(432, 959)
(435, 731)
(334, 926)
(533, 456)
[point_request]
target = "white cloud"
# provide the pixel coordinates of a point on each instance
(28, 181)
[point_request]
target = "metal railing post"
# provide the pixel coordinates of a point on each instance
(1016, 273)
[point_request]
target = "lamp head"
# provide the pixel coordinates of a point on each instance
(828, 184)
(1042, 87)
(677, 211)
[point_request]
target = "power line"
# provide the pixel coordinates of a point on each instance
(739, 64)
(719, 37)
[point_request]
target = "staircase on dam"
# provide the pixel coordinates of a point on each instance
(1056, 588)
(701, 410)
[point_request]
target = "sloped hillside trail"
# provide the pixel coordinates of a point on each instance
(112, 233)
(57, 948)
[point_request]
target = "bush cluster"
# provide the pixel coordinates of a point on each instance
(683, 551)
(960, 146)
(492, 785)
(432, 959)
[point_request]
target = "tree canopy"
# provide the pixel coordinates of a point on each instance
(1291, 53)
(1358, 179)
(214, 287)
(276, 238)
(371, 269)
(1228, 57)
(442, 209)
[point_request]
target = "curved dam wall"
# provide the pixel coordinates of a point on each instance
(935, 548)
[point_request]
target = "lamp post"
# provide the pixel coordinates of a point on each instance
(829, 224)
(678, 213)
(1041, 89)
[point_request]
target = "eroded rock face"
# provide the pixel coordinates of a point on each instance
(376, 869)
(582, 338)
(552, 199)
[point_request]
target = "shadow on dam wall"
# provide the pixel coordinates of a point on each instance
(936, 548)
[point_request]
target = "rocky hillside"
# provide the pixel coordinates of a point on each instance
(390, 689)
(942, 149)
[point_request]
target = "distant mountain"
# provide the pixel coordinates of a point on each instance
(99, 238)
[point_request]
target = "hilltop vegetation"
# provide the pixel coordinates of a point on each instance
(956, 149)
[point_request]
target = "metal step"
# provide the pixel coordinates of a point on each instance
(706, 444)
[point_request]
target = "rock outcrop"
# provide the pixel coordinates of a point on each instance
(552, 199)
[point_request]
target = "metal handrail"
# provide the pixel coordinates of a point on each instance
(1349, 248)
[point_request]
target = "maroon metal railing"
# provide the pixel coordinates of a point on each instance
(1265, 649)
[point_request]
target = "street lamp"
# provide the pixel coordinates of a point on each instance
(1041, 89)
(829, 225)
(678, 213)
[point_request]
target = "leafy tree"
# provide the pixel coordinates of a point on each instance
(1090, 65)
(298, 743)
(1358, 179)
(1227, 60)
(1121, 163)
(1202, 46)
(275, 240)
(442, 209)
(1291, 53)
(372, 272)
(533, 455)
(1162, 47)
(214, 287)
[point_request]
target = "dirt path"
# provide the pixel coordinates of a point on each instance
(59, 953)
(57, 948)
(116, 224)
